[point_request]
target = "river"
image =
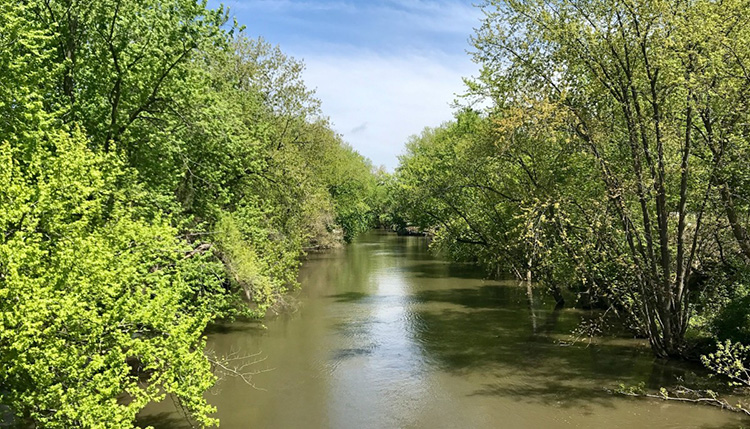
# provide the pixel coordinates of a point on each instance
(387, 335)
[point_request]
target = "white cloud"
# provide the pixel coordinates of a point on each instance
(435, 16)
(359, 128)
(378, 101)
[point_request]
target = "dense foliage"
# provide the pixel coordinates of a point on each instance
(158, 171)
(610, 162)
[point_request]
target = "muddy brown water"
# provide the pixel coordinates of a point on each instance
(387, 335)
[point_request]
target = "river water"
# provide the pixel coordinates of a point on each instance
(389, 336)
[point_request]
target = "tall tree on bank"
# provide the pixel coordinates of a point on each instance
(638, 84)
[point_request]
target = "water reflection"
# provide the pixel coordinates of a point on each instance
(390, 336)
(375, 329)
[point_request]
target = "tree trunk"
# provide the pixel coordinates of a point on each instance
(740, 234)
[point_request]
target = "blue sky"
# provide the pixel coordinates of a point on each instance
(383, 69)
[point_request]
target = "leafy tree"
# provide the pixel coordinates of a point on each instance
(609, 160)
(96, 303)
(157, 172)
(625, 75)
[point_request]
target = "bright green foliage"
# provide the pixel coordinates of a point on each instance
(125, 64)
(157, 173)
(731, 360)
(260, 267)
(385, 202)
(25, 67)
(490, 201)
(95, 303)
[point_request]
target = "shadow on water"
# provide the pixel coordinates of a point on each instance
(249, 327)
(488, 329)
(551, 393)
(342, 354)
(495, 297)
(349, 296)
(172, 420)
(509, 333)
(443, 270)
(387, 329)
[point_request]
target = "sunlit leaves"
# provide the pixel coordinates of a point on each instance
(157, 173)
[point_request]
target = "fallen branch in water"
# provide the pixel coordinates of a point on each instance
(706, 397)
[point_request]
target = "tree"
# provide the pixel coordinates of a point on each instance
(608, 160)
(625, 74)
(153, 167)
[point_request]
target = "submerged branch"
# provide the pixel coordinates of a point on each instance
(706, 397)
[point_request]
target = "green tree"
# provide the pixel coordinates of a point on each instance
(609, 160)
(157, 173)
(627, 76)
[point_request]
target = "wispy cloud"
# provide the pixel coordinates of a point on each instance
(451, 12)
(358, 129)
(435, 16)
(380, 25)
